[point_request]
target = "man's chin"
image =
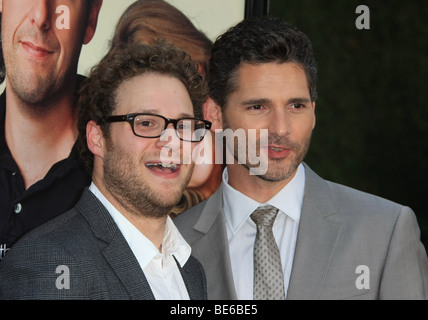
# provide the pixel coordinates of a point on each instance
(166, 197)
(280, 172)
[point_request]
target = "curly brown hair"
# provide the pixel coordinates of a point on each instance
(98, 94)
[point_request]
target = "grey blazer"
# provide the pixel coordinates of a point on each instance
(101, 265)
(350, 245)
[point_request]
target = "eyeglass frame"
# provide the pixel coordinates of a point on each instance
(130, 117)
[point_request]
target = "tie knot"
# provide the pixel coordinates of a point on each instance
(264, 216)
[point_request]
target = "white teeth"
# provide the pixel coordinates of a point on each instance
(171, 166)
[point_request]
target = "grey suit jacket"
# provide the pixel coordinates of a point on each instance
(101, 265)
(350, 245)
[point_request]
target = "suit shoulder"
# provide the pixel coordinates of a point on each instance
(64, 225)
(366, 208)
(188, 218)
(350, 196)
(50, 242)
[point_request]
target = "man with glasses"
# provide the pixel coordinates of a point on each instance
(119, 242)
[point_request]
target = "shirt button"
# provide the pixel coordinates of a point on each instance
(17, 208)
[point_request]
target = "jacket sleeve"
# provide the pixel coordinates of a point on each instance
(37, 270)
(405, 274)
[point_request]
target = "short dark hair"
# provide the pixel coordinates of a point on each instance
(98, 94)
(255, 41)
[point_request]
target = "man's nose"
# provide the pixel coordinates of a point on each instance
(169, 136)
(41, 12)
(279, 123)
(170, 145)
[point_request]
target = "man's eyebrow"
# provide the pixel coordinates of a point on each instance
(254, 102)
(156, 111)
(186, 115)
(301, 100)
(264, 101)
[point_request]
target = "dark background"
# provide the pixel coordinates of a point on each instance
(372, 119)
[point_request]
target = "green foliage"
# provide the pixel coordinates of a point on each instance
(372, 121)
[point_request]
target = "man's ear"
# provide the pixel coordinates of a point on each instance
(212, 112)
(94, 138)
(1, 5)
(92, 21)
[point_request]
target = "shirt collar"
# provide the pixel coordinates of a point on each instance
(173, 244)
(238, 207)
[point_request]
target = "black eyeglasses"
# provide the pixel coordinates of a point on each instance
(147, 125)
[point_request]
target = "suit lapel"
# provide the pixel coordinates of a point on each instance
(125, 265)
(316, 240)
(212, 227)
(117, 251)
(193, 278)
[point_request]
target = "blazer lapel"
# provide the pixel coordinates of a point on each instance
(316, 240)
(193, 278)
(125, 265)
(117, 251)
(213, 239)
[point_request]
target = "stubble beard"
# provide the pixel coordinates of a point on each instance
(129, 188)
(277, 169)
(41, 88)
(35, 91)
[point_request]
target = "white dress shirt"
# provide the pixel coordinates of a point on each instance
(241, 230)
(160, 268)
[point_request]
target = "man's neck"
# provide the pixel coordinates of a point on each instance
(38, 140)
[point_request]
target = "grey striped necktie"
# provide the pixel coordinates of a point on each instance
(268, 276)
